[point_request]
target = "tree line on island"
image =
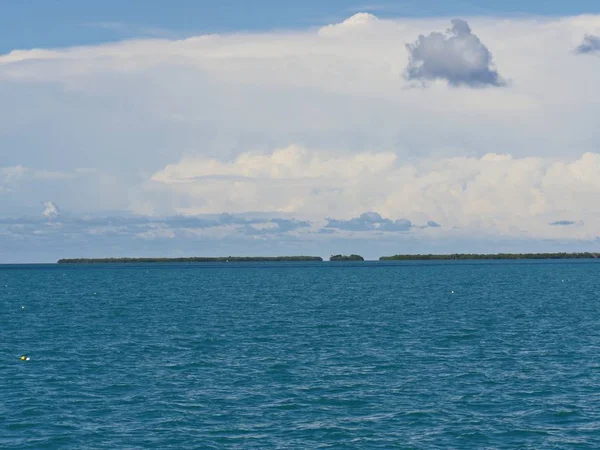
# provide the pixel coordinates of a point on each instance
(352, 257)
(220, 259)
(346, 258)
(470, 256)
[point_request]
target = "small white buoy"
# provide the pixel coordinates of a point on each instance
(452, 292)
(22, 307)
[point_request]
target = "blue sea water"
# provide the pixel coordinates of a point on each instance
(416, 355)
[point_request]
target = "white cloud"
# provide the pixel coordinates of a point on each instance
(51, 210)
(291, 163)
(13, 178)
(10, 175)
(22, 189)
(358, 22)
(15, 174)
(156, 233)
(495, 193)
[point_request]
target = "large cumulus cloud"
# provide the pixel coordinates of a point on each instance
(458, 57)
(496, 193)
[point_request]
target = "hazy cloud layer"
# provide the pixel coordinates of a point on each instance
(590, 44)
(458, 57)
(51, 225)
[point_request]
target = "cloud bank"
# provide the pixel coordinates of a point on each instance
(496, 193)
(311, 124)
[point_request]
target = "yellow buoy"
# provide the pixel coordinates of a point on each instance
(23, 358)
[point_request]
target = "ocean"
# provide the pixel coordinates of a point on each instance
(415, 355)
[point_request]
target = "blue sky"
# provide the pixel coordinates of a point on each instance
(57, 23)
(141, 128)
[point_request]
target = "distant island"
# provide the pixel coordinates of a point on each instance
(221, 259)
(427, 257)
(468, 256)
(346, 258)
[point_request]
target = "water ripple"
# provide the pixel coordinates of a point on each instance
(301, 356)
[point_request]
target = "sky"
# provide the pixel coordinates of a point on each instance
(54, 23)
(198, 128)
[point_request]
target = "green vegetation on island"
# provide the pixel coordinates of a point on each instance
(346, 258)
(224, 259)
(469, 256)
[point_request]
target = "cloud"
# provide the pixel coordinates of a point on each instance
(290, 163)
(370, 221)
(564, 223)
(308, 124)
(281, 226)
(51, 210)
(12, 176)
(361, 21)
(291, 179)
(236, 93)
(458, 57)
(136, 227)
(495, 193)
(22, 189)
(156, 233)
(590, 44)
